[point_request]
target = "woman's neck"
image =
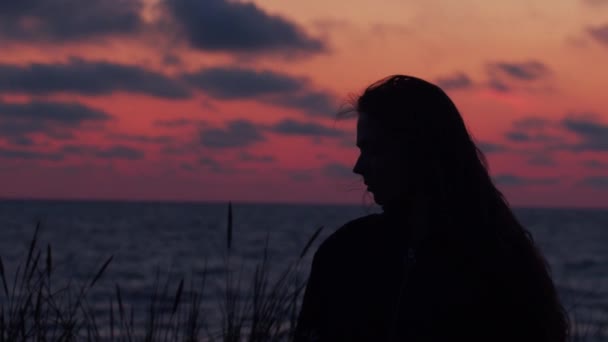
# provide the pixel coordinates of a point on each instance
(412, 217)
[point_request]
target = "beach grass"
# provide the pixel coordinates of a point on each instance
(257, 308)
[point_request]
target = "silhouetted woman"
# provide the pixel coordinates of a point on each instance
(446, 260)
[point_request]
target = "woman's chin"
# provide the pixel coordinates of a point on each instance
(377, 198)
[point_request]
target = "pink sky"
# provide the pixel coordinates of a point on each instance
(218, 100)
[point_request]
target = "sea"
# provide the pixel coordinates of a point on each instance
(153, 245)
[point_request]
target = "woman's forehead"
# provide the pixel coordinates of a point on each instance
(367, 124)
(369, 130)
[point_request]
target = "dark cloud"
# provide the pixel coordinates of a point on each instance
(238, 133)
(20, 130)
(532, 130)
(594, 164)
(68, 20)
(593, 134)
(120, 152)
(211, 163)
(222, 25)
(524, 71)
(548, 136)
(29, 155)
(499, 86)
(519, 136)
(542, 160)
(112, 152)
(313, 103)
(215, 166)
(79, 150)
(30, 132)
(488, 147)
(143, 139)
(183, 149)
(56, 120)
(337, 170)
(88, 78)
(172, 60)
(179, 123)
(514, 180)
(531, 122)
(66, 113)
(595, 181)
(454, 82)
(230, 83)
(599, 33)
(187, 167)
(505, 77)
(293, 127)
(21, 141)
(238, 83)
(248, 157)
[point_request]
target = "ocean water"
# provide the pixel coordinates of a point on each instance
(188, 239)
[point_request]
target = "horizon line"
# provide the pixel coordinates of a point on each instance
(246, 202)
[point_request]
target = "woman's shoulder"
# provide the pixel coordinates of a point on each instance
(352, 234)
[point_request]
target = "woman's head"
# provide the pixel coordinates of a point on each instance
(414, 144)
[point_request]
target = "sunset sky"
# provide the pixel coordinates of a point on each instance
(217, 100)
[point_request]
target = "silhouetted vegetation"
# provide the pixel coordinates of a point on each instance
(255, 309)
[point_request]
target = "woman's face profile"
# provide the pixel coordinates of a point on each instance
(379, 163)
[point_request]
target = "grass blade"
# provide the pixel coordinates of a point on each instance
(121, 309)
(31, 250)
(103, 268)
(111, 320)
(34, 267)
(229, 228)
(3, 277)
(49, 262)
(310, 241)
(177, 296)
